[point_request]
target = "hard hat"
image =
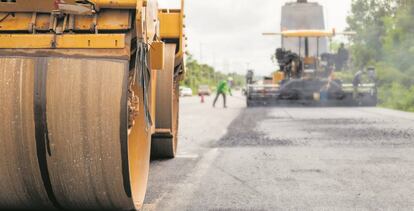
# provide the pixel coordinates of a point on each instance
(230, 79)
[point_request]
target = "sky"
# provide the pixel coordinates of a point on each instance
(227, 34)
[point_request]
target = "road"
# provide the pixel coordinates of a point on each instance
(287, 159)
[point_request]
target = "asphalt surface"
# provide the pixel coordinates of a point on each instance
(287, 159)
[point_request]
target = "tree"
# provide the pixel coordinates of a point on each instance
(367, 19)
(385, 38)
(203, 74)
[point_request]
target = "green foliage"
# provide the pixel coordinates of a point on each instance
(387, 74)
(397, 96)
(385, 39)
(203, 74)
(368, 20)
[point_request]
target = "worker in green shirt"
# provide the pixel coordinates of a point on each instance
(223, 89)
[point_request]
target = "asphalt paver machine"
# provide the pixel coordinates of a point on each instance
(306, 74)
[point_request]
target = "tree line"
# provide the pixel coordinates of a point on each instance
(385, 39)
(202, 74)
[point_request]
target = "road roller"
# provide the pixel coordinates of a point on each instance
(88, 94)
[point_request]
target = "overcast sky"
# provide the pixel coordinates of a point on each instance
(227, 33)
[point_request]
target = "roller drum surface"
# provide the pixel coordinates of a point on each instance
(22, 183)
(66, 138)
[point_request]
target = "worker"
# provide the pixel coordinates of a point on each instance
(342, 57)
(356, 82)
(324, 92)
(223, 88)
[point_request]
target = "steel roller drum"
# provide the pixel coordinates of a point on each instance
(164, 146)
(65, 139)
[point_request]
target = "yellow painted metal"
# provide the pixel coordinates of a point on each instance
(42, 22)
(70, 41)
(22, 21)
(114, 20)
(29, 6)
(172, 30)
(18, 22)
(25, 41)
(112, 15)
(67, 41)
(51, 5)
(119, 4)
(106, 20)
(157, 55)
(170, 25)
(278, 77)
(310, 33)
(304, 33)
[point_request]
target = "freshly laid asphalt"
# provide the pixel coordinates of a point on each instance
(286, 159)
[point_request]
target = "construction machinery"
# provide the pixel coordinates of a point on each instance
(86, 88)
(307, 71)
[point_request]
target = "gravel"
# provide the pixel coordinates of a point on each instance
(243, 131)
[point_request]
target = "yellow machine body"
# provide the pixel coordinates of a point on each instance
(99, 16)
(172, 31)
